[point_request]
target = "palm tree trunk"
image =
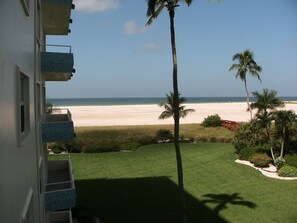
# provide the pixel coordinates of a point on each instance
(248, 99)
(270, 143)
(176, 120)
(283, 143)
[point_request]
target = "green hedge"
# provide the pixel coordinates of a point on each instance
(287, 171)
(291, 159)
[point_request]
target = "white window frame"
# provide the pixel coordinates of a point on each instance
(23, 106)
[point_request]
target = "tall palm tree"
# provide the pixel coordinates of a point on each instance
(169, 107)
(246, 64)
(266, 101)
(284, 120)
(155, 7)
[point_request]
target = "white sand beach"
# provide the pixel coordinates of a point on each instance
(148, 114)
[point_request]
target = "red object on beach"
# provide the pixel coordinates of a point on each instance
(231, 125)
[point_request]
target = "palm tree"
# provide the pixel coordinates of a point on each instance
(266, 100)
(169, 107)
(264, 120)
(246, 64)
(284, 120)
(155, 7)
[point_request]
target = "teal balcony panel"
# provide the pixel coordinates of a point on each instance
(57, 127)
(56, 15)
(56, 66)
(60, 189)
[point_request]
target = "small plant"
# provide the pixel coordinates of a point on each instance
(287, 171)
(212, 121)
(48, 108)
(261, 160)
(56, 147)
(164, 135)
(280, 162)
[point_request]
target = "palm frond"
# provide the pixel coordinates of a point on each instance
(165, 115)
(234, 66)
(153, 13)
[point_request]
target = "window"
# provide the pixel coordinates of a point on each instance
(26, 6)
(38, 101)
(28, 212)
(23, 106)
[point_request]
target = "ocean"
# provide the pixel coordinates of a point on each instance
(142, 101)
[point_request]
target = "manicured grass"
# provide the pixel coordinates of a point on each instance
(141, 186)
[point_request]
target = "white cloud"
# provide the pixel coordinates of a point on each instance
(132, 28)
(152, 47)
(96, 5)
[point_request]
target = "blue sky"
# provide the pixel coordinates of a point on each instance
(117, 56)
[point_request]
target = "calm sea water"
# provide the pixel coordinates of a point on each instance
(141, 101)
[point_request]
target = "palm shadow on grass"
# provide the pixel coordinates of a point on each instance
(223, 200)
(145, 200)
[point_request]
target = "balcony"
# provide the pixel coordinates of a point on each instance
(60, 189)
(56, 15)
(57, 66)
(58, 126)
(60, 217)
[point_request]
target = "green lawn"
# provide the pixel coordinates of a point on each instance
(141, 186)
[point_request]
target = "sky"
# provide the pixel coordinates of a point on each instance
(117, 55)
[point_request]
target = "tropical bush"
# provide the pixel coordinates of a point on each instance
(56, 147)
(164, 135)
(247, 153)
(261, 160)
(74, 146)
(249, 135)
(291, 159)
(212, 121)
(287, 171)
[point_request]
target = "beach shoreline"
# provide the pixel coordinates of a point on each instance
(119, 115)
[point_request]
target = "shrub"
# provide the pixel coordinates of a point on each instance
(248, 135)
(146, 140)
(261, 160)
(101, 146)
(201, 139)
(291, 159)
(74, 146)
(164, 135)
(280, 162)
(247, 153)
(212, 121)
(287, 171)
(56, 147)
(130, 146)
(213, 139)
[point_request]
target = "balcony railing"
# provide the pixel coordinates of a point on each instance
(60, 217)
(60, 189)
(58, 126)
(56, 15)
(57, 66)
